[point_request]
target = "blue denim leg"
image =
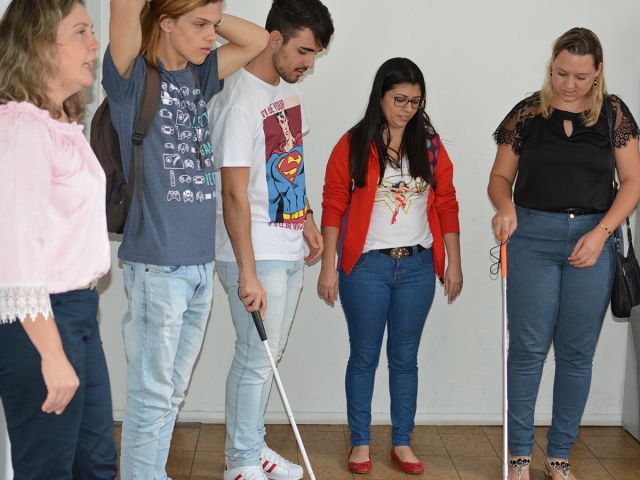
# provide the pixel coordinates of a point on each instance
(397, 294)
(549, 301)
(163, 331)
(78, 443)
(250, 377)
(585, 296)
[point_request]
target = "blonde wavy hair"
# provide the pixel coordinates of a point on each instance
(28, 32)
(150, 18)
(577, 41)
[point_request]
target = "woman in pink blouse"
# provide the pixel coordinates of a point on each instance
(54, 383)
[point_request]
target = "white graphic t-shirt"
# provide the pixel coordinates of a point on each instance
(399, 217)
(260, 126)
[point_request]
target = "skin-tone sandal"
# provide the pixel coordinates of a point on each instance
(557, 466)
(520, 466)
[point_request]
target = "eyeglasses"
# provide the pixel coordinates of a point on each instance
(416, 103)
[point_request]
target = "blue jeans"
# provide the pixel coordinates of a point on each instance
(163, 331)
(250, 376)
(549, 301)
(397, 294)
(79, 443)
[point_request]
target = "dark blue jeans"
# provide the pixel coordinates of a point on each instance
(384, 293)
(551, 302)
(79, 443)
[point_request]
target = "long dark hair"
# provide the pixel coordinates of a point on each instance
(394, 71)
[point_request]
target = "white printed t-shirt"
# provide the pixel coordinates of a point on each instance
(260, 126)
(399, 216)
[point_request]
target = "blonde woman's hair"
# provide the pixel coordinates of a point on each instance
(150, 18)
(577, 41)
(28, 32)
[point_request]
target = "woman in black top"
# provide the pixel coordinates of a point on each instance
(556, 146)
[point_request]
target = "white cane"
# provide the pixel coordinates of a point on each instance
(263, 336)
(505, 346)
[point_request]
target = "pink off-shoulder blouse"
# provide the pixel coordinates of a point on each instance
(53, 232)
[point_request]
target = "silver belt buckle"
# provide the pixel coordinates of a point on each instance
(399, 253)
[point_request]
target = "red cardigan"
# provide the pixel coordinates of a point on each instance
(351, 211)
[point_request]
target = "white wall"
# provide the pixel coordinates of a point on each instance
(631, 395)
(479, 58)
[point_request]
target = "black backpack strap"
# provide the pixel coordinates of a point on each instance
(194, 74)
(611, 122)
(144, 120)
(614, 184)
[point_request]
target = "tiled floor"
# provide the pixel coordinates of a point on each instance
(449, 453)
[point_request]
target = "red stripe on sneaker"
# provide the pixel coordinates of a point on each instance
(239, 477)
(264, 465)
(273, 467)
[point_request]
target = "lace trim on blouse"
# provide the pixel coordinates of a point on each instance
(625, 126)
(20, 303)
(511, 129)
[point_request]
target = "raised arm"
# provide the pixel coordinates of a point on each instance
(246, 41)
(125, 33)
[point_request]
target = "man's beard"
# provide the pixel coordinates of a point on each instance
(279, 66)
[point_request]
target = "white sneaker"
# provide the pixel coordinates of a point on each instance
(245, 473)
(277, 467)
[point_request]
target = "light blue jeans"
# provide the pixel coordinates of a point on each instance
(250, 376)
(551, 302)
(163, 331)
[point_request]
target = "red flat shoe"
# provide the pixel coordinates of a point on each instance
(359, 467)
(407, 467)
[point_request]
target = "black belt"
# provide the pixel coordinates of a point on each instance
(401, 252)
(578, 211)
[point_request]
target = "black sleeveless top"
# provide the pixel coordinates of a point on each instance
(557, 171)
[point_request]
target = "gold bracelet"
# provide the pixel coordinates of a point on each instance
(606, 229)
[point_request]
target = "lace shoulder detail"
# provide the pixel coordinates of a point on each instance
(511, 129)
(21, 303)
(625, 126)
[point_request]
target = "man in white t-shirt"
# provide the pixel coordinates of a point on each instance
(263, 218)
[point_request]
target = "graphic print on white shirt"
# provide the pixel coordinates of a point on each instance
(260, 126)
(282, 126)
(399, 215)
(398, 193)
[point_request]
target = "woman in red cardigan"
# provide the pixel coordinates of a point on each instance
(389, 213)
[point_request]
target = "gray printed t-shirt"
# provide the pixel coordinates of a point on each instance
(179, 193)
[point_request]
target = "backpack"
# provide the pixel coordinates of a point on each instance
(106, 145)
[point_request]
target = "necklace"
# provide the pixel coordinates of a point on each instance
(394, 156)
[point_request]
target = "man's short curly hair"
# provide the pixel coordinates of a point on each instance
(290, 16)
